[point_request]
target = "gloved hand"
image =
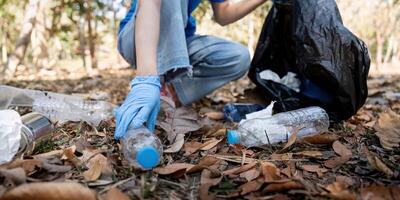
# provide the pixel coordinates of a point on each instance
(141, 105)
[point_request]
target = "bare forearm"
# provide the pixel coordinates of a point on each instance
(147, 34)
(229, 12)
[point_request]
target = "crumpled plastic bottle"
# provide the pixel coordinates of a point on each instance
(57, 107)
(278, 128)
(10, 134)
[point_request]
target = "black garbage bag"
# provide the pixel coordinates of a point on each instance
(308, 38)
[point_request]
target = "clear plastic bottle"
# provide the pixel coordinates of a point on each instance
(142, 148)
(57, 107)
(279, 127)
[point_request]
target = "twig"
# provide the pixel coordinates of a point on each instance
(116, 184)
(237, 159)
(172, 183)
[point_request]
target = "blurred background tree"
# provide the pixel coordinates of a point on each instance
(53, 37)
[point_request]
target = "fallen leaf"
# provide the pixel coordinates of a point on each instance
(281, 157)
(215, 115)
(50, 191)
(316, 169)
(94, 171)
(346, 181)
(204, 194)
(377, 164)
(279, 187)
(13, 177)
(217, 133)
(192, 147)
(291, 141)
(341, 150)
(338, 190)
(251, 174)
(210, 144)
(203, 164)
(336, 162)
(240, 169)
(388, 129)
(380, 192)
(29, 165)
(115, 194)
(312, 154)
(251, 186)
(177, 146)
(69, 154)
(179, 122)
(210, 176)
(270, 172)
(325, 138)
(173, 168)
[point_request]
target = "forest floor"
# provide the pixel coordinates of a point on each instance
(357, 159)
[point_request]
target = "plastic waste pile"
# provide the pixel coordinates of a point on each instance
(56, 107)
(19, 135)
(278, 128)
(142, 148)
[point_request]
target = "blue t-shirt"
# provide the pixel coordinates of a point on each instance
(191, 25)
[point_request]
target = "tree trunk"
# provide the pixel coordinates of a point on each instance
(24, 39)
(4, 52)
(92, 37)
(379, 50)
(82, 44)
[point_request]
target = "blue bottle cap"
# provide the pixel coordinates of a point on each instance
(148, 157)
(233, 137)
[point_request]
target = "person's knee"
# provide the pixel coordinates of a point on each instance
(243, 60)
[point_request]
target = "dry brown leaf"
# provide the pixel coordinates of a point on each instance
(210, 144)
(388, 128)
(215, 115)
(312, 154)
(251, 186)
(204, 194)
(336, 162)
(270, 172)
(240, 169)
(178, 144)
(50, 191)
(69, 154)
(291, 141)
(94, 171)
(203, 164)
(29, 165)
(209, 177)
(346, 181)
(179, 122)
(316, 169)
(377, 164)
(279, 187)
(251, 174)
(115, 194)
(341, 150)
(173, 168)
(192, 147)
(217, 133)
(13, 177)
(326, 138)
(377, 192)
(338, 191)
(281, 157)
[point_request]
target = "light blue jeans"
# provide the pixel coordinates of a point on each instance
(211, 61)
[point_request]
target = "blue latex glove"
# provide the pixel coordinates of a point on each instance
(141, 105)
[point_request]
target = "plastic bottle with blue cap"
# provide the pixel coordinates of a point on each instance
(278, 128)
(142, 148)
